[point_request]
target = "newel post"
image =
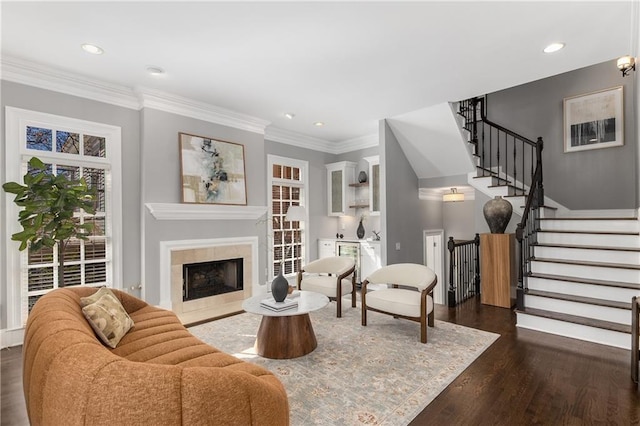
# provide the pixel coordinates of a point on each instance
(476, 242)
(452, 291)
(520, 289)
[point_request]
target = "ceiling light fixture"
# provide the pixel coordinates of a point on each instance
(626, 64)
(453, 196)
(289, 115)
(318, 124)
(92, 48)
(553, 47)
(155, 70)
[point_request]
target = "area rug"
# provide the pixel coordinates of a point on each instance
(375, 375)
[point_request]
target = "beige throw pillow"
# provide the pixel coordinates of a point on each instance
(108, 318)
(84, 301)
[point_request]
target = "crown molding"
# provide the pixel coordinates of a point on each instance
(163, 101)
(361, 142)
(33, 74)
(435, 194)
(179, 211)
(288, 137)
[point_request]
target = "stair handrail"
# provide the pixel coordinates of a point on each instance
(526, 231)
(483, 117)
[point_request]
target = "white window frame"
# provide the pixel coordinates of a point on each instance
(304, 172)
(16, 120)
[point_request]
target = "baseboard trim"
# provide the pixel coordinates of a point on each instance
(11, 337)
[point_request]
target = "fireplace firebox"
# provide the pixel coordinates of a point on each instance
(206, 279)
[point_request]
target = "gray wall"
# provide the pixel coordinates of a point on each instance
(161, 184)
(403, 216)
(32, 98)
(594, 179)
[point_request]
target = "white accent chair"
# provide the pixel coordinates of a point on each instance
(413, 304)
(328, 276)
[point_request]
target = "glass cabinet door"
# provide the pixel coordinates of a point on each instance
(336, 191)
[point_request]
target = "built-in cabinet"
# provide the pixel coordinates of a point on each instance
(347, 196)
(369, 254)
(340, 194)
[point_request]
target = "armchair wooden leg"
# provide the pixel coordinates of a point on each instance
(431, 318)
(423, 329)
(364, 308)
(353, 291)
(339, 303)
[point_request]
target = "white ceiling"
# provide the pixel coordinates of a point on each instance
(346, 64)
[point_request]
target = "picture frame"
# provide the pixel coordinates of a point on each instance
(594, 120)
(212, 171)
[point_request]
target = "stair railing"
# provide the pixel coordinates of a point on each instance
(464, 270)
(516, 162)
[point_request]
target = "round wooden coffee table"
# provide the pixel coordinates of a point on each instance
(286, 334)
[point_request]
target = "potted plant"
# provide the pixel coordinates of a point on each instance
(48, 204)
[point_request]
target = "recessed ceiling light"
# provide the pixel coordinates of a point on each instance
(318, 124)
(553, 47)
(155, 70)
(289, 115)
(92, 48)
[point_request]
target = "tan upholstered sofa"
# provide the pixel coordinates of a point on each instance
(159, 374)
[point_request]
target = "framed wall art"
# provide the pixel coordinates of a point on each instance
(212, 171)
(594, 120)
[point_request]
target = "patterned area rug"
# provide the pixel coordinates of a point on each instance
(375, 375)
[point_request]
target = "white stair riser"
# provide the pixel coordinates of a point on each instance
(609, 225)
(589, 239)
(616, 294)
(604, 313)
(575, 331)
(592, 255)
(590, 272)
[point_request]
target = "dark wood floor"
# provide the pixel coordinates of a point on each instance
(525, 377)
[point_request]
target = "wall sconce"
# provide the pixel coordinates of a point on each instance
(453, 196)
(626, 64)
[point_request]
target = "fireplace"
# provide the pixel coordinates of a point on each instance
(205, 279)
(211, 299)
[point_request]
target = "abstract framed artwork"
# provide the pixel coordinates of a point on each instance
(212, 171)
(594, 120)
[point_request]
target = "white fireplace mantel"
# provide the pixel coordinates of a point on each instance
(178, 211)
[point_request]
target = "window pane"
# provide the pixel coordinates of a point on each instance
(95, 178)
(72, 276)
(286, 172)
(67, 142)
(95, 249)
(71, 172)
(95, 273)
(44, 255)
(95, 146)
(39, 138)
(40, 278)
(296, 173)
(277, 171)
(99, 224)
(72, 251)
(33, 300)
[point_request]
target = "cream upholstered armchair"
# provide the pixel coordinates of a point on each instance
(329, 277)
(414, 304)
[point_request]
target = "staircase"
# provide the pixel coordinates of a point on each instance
(577, 270)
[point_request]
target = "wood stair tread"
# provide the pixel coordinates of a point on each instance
(587, 263)
(580, 299)
(589, 232)
(590, 322)
(634, 249)
(635, 286)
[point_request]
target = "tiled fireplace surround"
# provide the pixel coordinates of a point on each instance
(174, 254)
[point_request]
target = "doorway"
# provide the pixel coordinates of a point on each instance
(434, 258)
